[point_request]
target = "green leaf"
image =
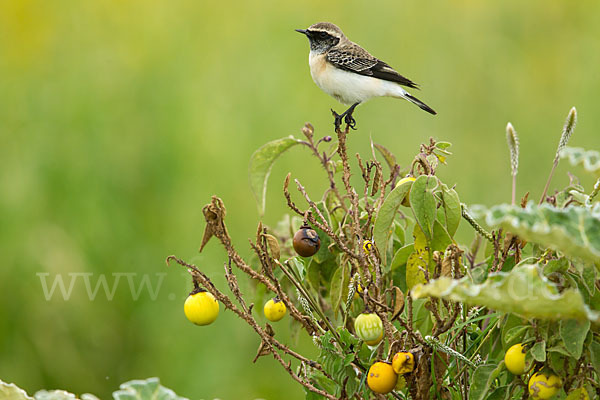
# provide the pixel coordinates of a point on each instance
(441, 239)
(538, 351)
(595, 355)
(314, 274)
(323, 255)
(452, 209)
(510, 334)
(13, 392)
(573, 335)
(339, 286)
(590, 160)
(578, 394)
(149, 389)
(521, 291)
(261, 162)
(418, 261)
(574, 230)
(297, 265)
(482, 380)
(384, 220)
(423, 203)
(401, 256)
(61, 395)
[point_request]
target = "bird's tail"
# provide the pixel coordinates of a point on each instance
(419, 103)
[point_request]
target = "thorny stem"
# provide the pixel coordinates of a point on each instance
(270, 342)
(320, 224)
(475, 224)
(309, 298)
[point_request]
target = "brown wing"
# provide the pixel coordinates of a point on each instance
(354, 58)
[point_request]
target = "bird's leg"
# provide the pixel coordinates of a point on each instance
(346, 116)
(337, 122)
(348, 119)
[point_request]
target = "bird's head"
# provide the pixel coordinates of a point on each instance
(322, 36)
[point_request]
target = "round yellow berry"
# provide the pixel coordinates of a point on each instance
(515, 359)
(381, 378)
(544, 385)
(274, 309)
(403, 362)
(368, 327)
(201, 308)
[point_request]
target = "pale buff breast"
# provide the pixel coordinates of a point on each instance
(348, 87)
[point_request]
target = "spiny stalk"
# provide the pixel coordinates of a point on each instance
(564, 139)
(513, 145)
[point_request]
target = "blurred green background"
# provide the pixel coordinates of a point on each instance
(119, 120)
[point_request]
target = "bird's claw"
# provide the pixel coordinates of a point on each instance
(345, 117)
(337, 122)
(350, 121)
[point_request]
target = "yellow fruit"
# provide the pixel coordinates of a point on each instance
(406, 200)
(381, 378)
(376, 341)
(515, 359)
(544, 385)
(367, 246)
(368, 327)
(274, 309)
(403, 362)
(201, 308)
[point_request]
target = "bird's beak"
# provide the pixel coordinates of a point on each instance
(304, 31)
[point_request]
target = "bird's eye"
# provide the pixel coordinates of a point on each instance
(322, 35)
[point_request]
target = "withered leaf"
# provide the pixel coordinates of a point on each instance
(397, 302)
(273, 245)
(214, 214)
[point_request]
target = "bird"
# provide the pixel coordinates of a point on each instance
(350, 74)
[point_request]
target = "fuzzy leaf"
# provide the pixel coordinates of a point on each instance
(590, 160)
(573, 335)
(61, 395)
(10, 391)
(538, 351)
(339, 286)
(574, 230)
(418, 261)
(452, 209)
(482, 380)
(384, 221)
(148, 389)
(423, 202)
(521, 291)
(260, 166)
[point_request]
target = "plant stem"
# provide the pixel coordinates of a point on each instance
(548, 181)
(514, 189)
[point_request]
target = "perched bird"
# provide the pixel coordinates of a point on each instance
(347, 72)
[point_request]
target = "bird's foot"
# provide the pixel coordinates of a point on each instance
(350, 121)
(338, 118)
(346, 117)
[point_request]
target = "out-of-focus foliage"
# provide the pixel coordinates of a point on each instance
(119, 119)
(148, 389)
